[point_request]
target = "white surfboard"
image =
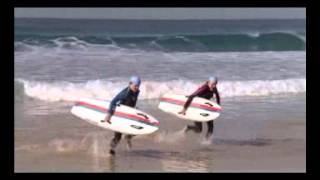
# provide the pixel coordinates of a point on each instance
(125, 119)
(200, 109)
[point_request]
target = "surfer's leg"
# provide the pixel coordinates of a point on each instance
(128, 138)
(197, 128)
(114, 142)
(210, 125)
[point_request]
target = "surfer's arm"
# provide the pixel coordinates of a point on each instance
(217, 96)
(190, 98)
(121, 96)
(188, 102)
(196, 93)
(135, 103)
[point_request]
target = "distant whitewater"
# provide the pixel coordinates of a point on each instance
(66, 91)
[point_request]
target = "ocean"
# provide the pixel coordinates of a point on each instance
(260, 64)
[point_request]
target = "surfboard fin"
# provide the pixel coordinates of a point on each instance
(208, 104)
(136, 127)
(204, 114)
(145, 116)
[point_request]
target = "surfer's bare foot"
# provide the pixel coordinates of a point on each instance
(112, 152)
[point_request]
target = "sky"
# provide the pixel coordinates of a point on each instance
(163, 13)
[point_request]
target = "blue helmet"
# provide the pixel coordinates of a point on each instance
(135, 80)
(213, 79)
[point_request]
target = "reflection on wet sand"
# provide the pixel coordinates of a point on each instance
(175, 161)
(106, 164)
(97, 145)
(192, 163)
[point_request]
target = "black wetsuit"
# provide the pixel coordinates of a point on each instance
(126, 97)
(204, 92)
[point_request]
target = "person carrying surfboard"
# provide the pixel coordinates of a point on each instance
(207, 90)
(128, 96)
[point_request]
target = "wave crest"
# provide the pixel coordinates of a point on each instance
(67, 91)
(251, 41)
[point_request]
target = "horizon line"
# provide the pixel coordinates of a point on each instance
(59, 18)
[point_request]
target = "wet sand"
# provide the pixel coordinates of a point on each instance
(60, 142)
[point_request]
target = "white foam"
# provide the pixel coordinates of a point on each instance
(262, 87)
(183, 38)
(67, 91)
(253, 34)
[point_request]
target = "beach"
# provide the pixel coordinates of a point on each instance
(260, 64)
(256, 140)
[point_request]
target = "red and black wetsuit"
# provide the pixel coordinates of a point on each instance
(204, 92)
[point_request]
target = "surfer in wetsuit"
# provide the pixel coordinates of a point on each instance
(128, 97)
(207, 90)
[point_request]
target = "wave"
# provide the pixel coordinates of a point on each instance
(23, 47)
(67, 91)
(251, 41)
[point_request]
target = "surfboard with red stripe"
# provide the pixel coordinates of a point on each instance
(200, 109)
(125, 120)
